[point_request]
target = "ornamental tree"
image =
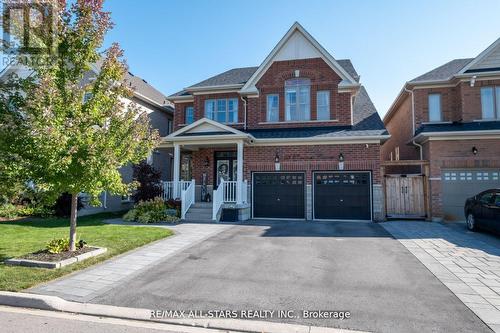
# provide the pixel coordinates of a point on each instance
(71, 125)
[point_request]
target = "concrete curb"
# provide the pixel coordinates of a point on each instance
(56, 264)
(53, 303)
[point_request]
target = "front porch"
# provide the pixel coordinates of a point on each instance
(208, 168)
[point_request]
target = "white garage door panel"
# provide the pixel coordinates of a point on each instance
(458, 185)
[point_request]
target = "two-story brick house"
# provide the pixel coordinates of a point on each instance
(300, 129)
(450, 117)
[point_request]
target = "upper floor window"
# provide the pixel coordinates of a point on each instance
(323, 105)
(435, 107)
(297, 99)
(222, 110)
(189, 115)
(273, 107)
(490, 102)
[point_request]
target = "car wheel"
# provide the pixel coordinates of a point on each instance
(471, 222)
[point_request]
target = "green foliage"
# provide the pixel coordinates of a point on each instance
(50, 135)
(58, 245)
(11, 211)
(151, 211)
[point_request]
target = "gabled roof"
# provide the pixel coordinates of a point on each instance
(288, 48)
(488, 60)
(241, 75)
(204, 127)
(444, 72)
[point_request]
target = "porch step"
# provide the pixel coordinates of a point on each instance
(201, 205)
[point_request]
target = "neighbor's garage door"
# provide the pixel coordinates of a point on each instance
(278, 195)
(458, 185)
(342, 195)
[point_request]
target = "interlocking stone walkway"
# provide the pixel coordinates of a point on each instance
(465, 262)
(85, 285)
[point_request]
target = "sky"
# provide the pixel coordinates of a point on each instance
(173, 44)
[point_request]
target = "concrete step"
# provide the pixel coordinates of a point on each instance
(198, 216)
(200, 209)
(202, 205)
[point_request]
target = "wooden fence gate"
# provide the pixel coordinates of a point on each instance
(405, 197)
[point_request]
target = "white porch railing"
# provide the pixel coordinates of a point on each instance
(168, 189)
(227, 192)
(187, 198)
(218, 200)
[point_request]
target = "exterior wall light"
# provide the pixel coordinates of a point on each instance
(341, 161)
(277, 165)
(474, 150)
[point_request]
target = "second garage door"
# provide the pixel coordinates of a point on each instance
(278, 195)
(342, 195)
(458, 185)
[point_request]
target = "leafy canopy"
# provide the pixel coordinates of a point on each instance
(71, 124)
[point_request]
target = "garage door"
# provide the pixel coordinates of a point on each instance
(278, 195)
(342, 195)
(458, 185)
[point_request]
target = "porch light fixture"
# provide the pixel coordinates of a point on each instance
(277, 165)
(207, 162)
(474, 150)
(341, 161)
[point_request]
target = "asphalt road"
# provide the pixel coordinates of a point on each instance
(19, 320)
(344, 266)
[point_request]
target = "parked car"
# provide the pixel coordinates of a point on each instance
(483, 211)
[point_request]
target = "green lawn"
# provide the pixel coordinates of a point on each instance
(22, 237)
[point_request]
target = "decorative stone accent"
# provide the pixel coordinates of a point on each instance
(378, 203)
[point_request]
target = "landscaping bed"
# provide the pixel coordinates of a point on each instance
(45, 255)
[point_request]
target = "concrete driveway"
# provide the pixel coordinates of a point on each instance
(349, 266)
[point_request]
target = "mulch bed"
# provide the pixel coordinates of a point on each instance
(44, 255)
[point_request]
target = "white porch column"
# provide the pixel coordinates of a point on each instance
(177, 169)
(239, 173)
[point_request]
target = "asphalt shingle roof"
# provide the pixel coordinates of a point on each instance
(460, 127)
(242, 75)
(443, 72)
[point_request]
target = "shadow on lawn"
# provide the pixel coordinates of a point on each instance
(56, 222)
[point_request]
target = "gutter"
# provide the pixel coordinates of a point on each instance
(244, 113)
(413, 122)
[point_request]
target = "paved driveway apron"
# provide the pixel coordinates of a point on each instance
(356, 267)
(467, 263)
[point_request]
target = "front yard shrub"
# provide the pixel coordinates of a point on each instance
(149, 180)
(62, 207)
(151, 211)
(58, 245)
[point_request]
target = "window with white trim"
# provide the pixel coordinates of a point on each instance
(435, 107)
(189, 115)
(222, 110)
(490, 102)
(323, 105)
(273, 108)
(297, 99)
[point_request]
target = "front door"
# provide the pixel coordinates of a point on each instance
(225, 166)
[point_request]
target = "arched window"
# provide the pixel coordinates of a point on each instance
(298, 99)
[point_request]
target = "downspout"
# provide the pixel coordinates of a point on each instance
(413, 125)
(244, 112)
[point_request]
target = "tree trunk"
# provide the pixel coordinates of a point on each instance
(72, 222)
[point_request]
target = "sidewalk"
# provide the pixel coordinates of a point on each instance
(467, 263)
(85, 285)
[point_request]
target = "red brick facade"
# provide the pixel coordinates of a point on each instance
(459, 103)
(294, 158)
(273, 82)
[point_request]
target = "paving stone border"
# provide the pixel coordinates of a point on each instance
(466, 263)
(56, 264)
(85, 285)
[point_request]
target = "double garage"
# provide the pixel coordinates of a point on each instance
(336, 195)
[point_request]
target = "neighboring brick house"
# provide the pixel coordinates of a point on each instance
(450, 117)
(299, 128)
(160, 112)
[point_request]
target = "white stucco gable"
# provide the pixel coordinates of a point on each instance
(297, 44)
(488, 59)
